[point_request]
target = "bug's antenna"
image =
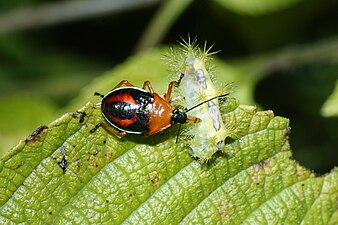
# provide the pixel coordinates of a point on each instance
(201, 103)
(178, 133)
(98, 94)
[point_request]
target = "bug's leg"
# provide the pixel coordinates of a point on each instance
(148, 85)
(179, 80)
(169, 90)
(170, 87)
(95, 128)
(192, 119)
(123, 82)
(112, 130)
(108, 128)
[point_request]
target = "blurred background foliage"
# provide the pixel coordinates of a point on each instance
(281, 55)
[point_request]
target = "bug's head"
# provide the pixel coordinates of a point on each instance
(181, 117)
(178, 117)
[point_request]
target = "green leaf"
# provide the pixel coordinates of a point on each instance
(256, 7)
(63, 174)
(330, 107)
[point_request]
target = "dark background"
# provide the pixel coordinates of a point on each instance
(44, 66)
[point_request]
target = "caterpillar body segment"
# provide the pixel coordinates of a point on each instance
(197, 85)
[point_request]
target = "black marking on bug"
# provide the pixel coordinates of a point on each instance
(119, 110)
(36, 134)
(80, 115)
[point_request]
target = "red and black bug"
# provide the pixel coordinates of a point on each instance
(132, 110)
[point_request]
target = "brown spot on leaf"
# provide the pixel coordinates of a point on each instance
(19, 165)
(224, 208)
(78, 165)
(155, 178)
(287, 133)
(80, 115)
(109, 155)
(36, 134)
(262, 163)
(131, 197)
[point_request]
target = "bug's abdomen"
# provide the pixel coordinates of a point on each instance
(126, 117)
(126, 113)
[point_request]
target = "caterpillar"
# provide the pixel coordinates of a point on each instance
(196, 85)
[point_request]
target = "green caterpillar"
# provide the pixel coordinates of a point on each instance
(196, 85)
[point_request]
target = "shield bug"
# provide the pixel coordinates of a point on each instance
(133, 110)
